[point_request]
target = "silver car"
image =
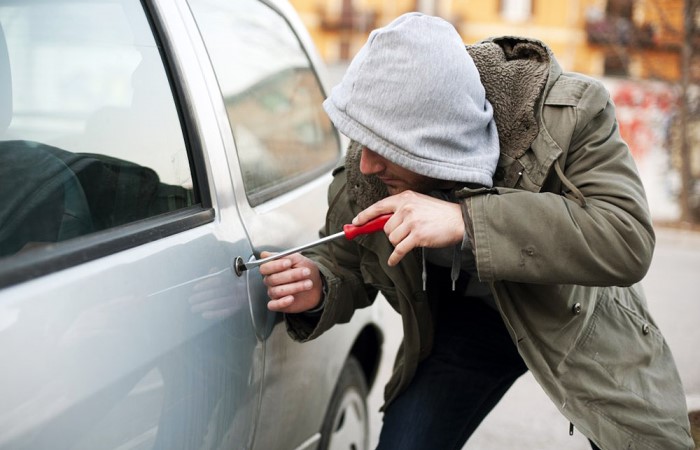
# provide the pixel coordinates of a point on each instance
(145, 145)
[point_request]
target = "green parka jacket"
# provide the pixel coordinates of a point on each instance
(562, 239)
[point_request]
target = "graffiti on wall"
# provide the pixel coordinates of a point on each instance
(645, 112)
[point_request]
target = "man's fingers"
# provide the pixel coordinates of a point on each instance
(385, 206)
(281, 264)
(287, 276)
(289, 289)
(398, 234)
(276, 266)
(296, 258)
(401, 250)
(280, 304)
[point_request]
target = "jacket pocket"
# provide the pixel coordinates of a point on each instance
(629, 348)
(623, 372)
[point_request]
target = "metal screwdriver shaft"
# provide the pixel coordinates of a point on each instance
(349, 232)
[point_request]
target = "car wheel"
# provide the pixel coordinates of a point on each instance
(346, 425)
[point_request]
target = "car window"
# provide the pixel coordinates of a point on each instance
(271, 93)
(90, 136)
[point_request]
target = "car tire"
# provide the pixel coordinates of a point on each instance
(346, 425)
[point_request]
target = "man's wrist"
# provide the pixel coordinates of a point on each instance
(322, 303)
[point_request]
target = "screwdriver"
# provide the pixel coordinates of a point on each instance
(349, 232)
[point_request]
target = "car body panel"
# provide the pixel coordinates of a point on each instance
(85, 351)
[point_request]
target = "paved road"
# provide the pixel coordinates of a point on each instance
(525, 419)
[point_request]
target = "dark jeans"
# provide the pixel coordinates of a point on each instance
(473, 363)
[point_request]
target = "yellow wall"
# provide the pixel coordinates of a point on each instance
(560, 24)
(557, 23)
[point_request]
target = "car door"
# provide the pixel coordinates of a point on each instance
(281, 148)
(122, 323)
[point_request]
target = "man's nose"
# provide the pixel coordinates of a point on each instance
(370, 162)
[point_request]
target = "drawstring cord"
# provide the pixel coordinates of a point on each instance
(424, 275)
(454, 273)
(575, 193)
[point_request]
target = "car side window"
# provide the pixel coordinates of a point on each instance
(90, 136)
(271, 93)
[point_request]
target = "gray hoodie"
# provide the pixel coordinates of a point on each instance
(413, 95)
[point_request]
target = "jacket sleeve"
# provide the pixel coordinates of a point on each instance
(339, 263)
(548, 237)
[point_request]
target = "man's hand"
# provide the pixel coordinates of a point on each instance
(293, 283)
(418, 221)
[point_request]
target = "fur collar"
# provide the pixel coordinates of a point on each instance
(514, 72)
(364, 190)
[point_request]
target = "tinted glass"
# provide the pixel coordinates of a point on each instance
(272, 96)
(90, 136)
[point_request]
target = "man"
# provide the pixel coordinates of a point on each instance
(510, 250)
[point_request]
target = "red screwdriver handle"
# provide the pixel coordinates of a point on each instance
(376, 224)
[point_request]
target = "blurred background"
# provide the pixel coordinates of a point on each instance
(647, 52)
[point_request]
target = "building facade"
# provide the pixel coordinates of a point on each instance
(640, 39)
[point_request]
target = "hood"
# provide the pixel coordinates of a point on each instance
(412, 94)
(515, 72)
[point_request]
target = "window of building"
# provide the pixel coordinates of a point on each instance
(90, 136)
(619, 8)
(616, 65)
(516, 10)
(272, 96)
